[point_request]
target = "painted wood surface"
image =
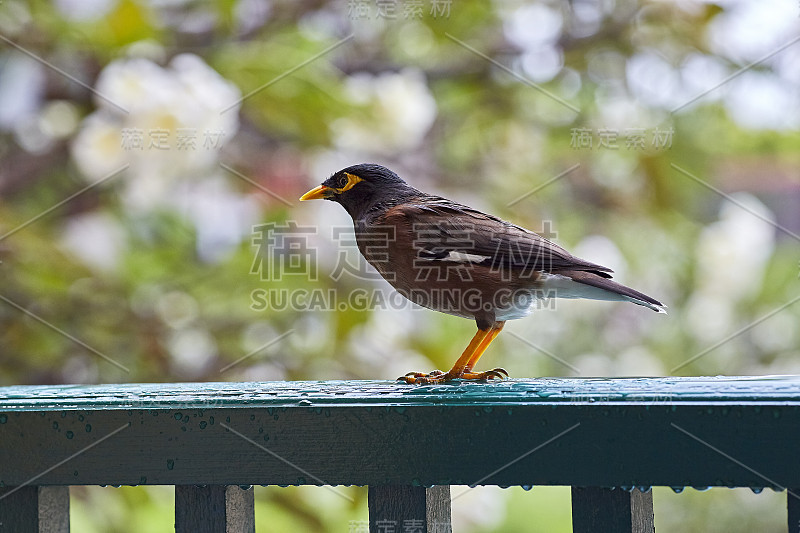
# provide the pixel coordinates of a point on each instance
(578, 432)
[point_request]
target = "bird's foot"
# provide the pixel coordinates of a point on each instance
(437, 376)
(420, 378)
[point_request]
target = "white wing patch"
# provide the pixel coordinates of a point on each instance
(451, 255)
(463, 257)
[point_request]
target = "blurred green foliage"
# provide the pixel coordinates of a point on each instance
(707, 224)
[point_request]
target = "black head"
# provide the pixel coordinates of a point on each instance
(359, 187)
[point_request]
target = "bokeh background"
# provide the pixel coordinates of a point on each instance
(144, 142)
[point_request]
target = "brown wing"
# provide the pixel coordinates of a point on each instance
(445, 231)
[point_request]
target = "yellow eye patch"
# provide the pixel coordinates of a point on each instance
(352, 179)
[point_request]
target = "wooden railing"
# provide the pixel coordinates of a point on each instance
(611, 440)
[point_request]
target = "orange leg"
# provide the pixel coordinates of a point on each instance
(494, 332)
(462, 369)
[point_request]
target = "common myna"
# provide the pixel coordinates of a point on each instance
(451, 258)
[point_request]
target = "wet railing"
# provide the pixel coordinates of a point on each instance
(610, 439)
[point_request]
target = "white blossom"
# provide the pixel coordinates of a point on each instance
(400, 111)
(167, 123)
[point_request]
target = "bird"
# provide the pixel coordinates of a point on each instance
(449, 257)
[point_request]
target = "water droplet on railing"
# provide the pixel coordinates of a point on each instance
(757, 490)
(527, 487)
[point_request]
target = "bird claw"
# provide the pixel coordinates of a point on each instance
(488, 375)
(420, 378)
(432, 373)
(437, 376)
(498, 373)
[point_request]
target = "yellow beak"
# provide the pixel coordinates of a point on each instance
(317, 193)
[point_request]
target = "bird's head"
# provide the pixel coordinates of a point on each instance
(358, 187)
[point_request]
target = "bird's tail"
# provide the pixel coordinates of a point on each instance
(614, 290)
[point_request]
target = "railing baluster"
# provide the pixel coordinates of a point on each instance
(33, 509)
(793, 509)
(407, 508)
(214, 509)
(596, 509)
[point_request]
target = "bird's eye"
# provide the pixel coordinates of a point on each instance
(341, 182)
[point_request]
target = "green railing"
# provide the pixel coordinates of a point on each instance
(610, 439)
